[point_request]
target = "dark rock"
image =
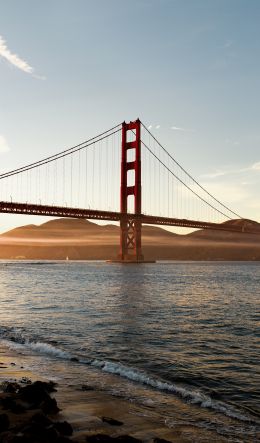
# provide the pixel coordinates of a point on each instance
(49, 406)
(52, 435)
(13, 364)
(128, 439)
(112, 421)
(20, 439)
(87, 388)
(50, 386)
(7, 402)
(10, 387)
(40, 433)
(103, 438)
(33, 429)
(17, 408)
(25, 380)
(10, 404)
(6, 437)
(37, 395)
(4, 422)
(42, 419)
(62, 439)
(64, 428)
(100, 438)
(34, 394)
(160, 440)
(74, 359)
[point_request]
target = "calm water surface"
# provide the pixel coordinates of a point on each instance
(178, 336)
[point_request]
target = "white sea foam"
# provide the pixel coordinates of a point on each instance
(192, 396)
(45, 348)
(40, 347)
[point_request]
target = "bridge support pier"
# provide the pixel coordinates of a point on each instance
(131, 229)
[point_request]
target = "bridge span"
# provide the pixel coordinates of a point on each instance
(122, 175)
(91, 214)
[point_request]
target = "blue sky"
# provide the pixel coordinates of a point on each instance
(188, 68)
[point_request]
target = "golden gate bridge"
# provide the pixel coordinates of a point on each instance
(83, 182)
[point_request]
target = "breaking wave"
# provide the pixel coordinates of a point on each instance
(193, 396)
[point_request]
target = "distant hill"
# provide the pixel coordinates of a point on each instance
(75, 228)
(85, 240)
(227, 236)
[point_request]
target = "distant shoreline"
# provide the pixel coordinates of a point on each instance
(109, 262)
(85, 240)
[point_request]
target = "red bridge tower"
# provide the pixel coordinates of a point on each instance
(130, 229)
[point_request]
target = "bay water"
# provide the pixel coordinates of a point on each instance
(181, 338)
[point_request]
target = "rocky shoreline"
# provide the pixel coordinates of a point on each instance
(29, 413)
(34, 409)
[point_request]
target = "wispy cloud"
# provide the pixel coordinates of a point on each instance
(225, 172)
(232, 142)
(15, 60)
(177, 128)
(256, 166)
(227, 191)
(214, 174)
(4, 147)
(174, 128)
(231, 171)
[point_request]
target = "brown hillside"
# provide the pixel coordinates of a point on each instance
(226, 236)
(75, 228)
(85, 240)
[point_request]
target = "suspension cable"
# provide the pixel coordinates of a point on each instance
(181, 181)
(64, 153)
(197, 183)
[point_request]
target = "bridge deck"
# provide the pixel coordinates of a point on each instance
(91, 214)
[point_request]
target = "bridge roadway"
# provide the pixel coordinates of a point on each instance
(92, 214)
